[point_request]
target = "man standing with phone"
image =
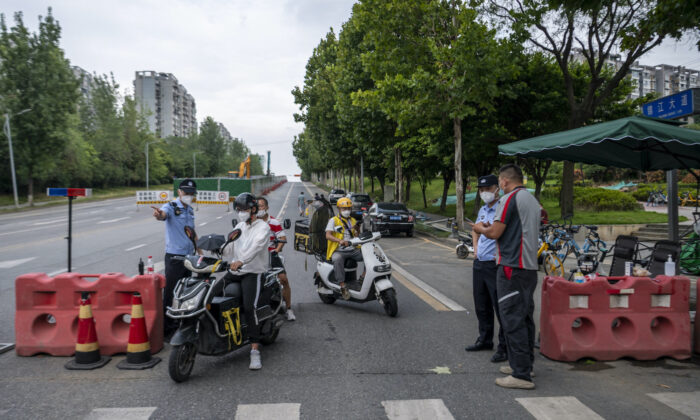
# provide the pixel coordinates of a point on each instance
(176, 214)
(516, 228)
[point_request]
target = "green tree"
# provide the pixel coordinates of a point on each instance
(34, 74)
(591, 32)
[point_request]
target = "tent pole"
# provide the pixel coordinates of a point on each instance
(672, 199)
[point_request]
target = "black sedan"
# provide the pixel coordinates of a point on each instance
(389, 217)
(360, 204)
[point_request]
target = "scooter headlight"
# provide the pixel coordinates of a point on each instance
(384, 268)
(192, 303)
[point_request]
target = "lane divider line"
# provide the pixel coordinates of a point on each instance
(135, 247)
(549, 408)
(451, 304)
(422, 295)
(113, 220)
(284, 205)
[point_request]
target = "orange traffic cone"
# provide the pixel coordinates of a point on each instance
(87, 350)
(138, 351)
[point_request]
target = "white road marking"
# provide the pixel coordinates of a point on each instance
(14, 263)
(555, 408)
(417, 409)
(219, 217)
(119, 413)
(4, 348)
(203, 223)
(284, 205)
(268, 411)
(48, 222)
(54, 273)
(135, 247)
(429, 289)
(687, 403)
(112, 220)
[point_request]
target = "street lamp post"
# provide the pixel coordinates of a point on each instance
(8, 133)
(194, 160)
(148, 144)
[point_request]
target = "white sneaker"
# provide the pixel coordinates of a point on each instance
(290, 315)
(255, 362)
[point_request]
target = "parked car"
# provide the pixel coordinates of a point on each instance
(391, 217)
(360, 204)
(335, 195)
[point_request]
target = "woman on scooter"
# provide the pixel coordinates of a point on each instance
(250, 260)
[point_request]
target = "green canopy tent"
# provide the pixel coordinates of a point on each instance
(638, 142)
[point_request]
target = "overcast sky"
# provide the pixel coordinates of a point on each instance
(239, 59)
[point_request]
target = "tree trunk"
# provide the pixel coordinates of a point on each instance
(30, 191)
(447, 179)
(371, 181)
(398, 180)
(408, 188)
(477, 203)
(382, 182)
(566, 197)
(459, 213)
(423, 186)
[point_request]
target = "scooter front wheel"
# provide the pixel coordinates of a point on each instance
(391, 306)
(327, 299)
(182, 361)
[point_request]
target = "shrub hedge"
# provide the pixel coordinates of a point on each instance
(597, 199)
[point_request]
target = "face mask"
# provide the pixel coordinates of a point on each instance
(243, 216)
(262, 213)
(186, 199)
(345, 213)
(487, 196)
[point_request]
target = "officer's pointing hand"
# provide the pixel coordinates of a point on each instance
(157, 213)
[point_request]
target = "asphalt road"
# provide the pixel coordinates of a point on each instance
(340, 361)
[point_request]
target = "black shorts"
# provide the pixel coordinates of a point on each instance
(276, 262)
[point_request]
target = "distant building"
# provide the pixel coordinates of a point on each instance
(662, 79)
(225, 133)
(171, 110)
(86, 81)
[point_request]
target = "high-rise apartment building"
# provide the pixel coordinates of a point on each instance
(171, 110)
(225, 133)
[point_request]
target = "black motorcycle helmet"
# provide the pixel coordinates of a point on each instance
(246, 201)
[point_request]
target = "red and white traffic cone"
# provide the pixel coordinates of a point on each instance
(87, 349)
(138, 351)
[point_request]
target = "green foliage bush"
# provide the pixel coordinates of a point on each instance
(600, 199)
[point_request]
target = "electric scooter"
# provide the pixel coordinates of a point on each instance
(376, 285)
(210, 309)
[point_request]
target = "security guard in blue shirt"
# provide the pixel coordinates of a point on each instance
(177, 214)
(484, 274)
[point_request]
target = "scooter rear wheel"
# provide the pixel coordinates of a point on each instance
(462, 251)
(327, 299)
(270, 338)
(182, 361)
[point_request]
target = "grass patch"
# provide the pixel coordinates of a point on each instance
(42, 200)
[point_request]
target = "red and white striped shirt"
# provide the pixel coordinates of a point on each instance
(276, 231)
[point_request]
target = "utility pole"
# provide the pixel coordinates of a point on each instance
(8, 133)
(362, 175)
(148, 144)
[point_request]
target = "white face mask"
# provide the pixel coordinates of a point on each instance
(262, 213)
(487, 196)
(186, 199)
(243, 216)
(345, 213)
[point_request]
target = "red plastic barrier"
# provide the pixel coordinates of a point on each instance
(46, 317)
(635, 317)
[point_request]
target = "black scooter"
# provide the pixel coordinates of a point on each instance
(210, 309)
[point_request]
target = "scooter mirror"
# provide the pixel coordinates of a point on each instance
(235, 234)
(287, 223)
(234, 222)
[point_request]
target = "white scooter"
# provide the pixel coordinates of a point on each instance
(376, 284)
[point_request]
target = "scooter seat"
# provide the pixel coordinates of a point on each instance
(233, 289)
